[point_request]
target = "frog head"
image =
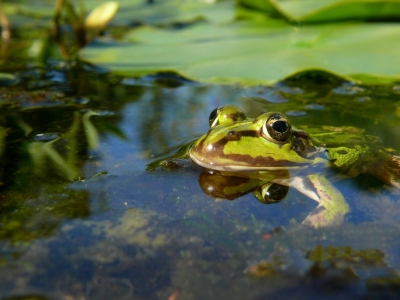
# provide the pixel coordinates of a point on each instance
(267, 143)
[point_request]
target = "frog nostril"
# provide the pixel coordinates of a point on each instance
(233, 136)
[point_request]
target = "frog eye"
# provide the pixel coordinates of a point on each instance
(273, 193)
(277, 128)
(213, 118)
(226, 115)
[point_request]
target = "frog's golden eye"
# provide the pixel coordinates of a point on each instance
(213, 118)
(277, 128)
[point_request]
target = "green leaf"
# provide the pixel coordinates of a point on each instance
(336, 10)
(262, 5)
(173, 11)
(73, 16)
(160, 12)
(251, 53)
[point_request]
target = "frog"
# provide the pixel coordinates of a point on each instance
(271, 150)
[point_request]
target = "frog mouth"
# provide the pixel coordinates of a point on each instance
(241, 168)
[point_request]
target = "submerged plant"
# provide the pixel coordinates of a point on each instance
(85, 28)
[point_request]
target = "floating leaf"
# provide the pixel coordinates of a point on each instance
(164, 12)
(249, 52)
(335, 10)
(261, 5)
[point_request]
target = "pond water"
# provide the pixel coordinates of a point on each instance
(82, 218)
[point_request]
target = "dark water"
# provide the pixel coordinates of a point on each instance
(81, 218)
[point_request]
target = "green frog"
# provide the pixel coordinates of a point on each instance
(271, 150)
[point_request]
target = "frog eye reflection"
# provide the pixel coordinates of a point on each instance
(277, 128)
(273, 193)
(213, 118)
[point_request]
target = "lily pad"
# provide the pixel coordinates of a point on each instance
(250, 52)
(311, 11)
(157, 12)
(262, 5)
(174, 11)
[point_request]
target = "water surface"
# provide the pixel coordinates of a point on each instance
(82, 218)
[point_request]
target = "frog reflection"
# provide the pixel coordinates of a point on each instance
(217, 185)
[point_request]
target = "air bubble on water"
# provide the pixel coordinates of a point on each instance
(315, 106)
(103, 112)
(364, 99)
(289, 90)
(348, 89)
(265, 93)
(81, 100)
(296, 113)
(45, 137)
(129, 81)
